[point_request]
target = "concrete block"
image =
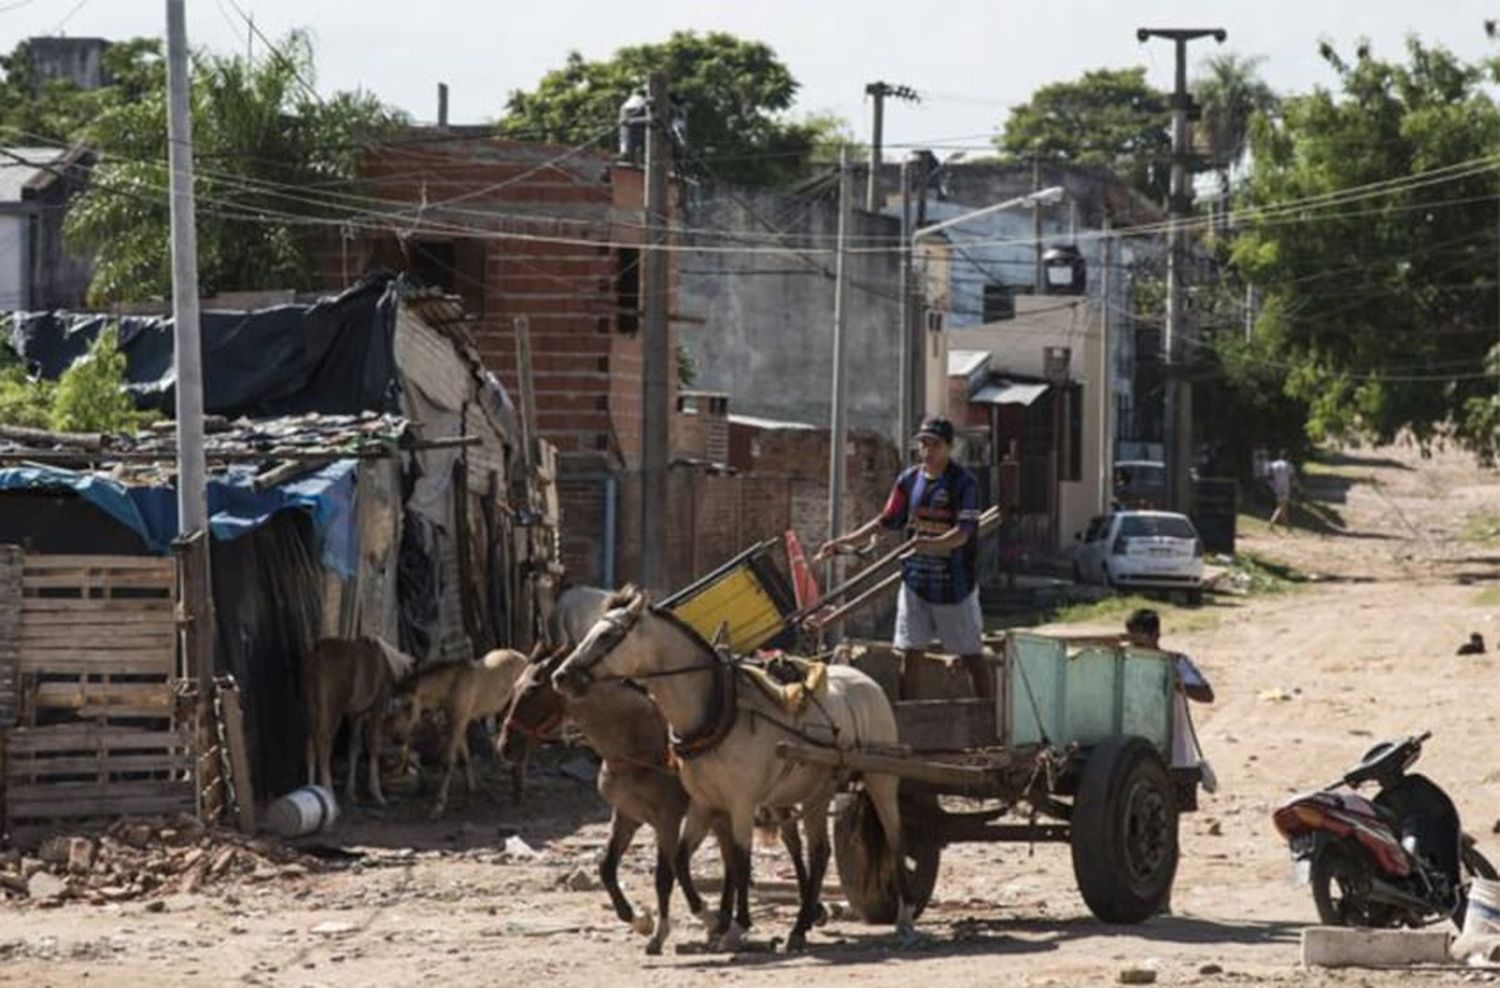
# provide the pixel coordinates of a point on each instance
(1338, 946)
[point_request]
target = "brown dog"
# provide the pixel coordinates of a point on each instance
(354, 679)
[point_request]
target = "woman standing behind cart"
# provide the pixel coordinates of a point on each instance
(937, 503)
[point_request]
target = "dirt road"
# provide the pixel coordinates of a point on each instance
(1306, 681)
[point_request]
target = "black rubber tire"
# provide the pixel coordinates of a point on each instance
(1334, 865)
(1476, 865)
(1124, 836)
(859, 853)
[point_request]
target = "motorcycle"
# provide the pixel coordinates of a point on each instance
(1400, 858)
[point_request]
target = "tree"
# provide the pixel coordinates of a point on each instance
(267, 154)
(1109, 117)
(1230, 91)
(735, 94)
(1381, 311)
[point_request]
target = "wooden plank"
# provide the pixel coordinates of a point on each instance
(946, 725)
(131, 636)
(49, 562)
(132, 619)
(239, 755)
(101, 581)
(59, 800)
(94, 737)
(12, 561)
(34, 765)
(75, 695)
(63, 661)
(96, 605)
(952, 778)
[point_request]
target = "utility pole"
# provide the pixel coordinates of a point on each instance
(656, 349)
(1039, 285)
(1180, 332)
(838, 426)
(906, 354)
(1106, 364)
(878, 91)
(192, 500)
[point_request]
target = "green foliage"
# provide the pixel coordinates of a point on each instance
(1231, 93)
(91, 395)
(23, 401)
(267, 153)
(735, 94)
(687, 367)
(1382, 312)
(1109, 117)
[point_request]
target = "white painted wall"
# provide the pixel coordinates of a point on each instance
(14, 283)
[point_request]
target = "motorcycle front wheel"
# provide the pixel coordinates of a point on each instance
(1340, 888)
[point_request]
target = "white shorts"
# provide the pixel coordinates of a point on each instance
(956, 627)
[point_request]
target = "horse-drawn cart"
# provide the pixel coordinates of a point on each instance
(1075, 748)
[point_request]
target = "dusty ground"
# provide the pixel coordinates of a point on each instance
(1365, 652)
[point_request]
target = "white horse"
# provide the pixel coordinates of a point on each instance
(577, 610)
(725, 738)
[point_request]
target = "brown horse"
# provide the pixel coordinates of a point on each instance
(627, 731)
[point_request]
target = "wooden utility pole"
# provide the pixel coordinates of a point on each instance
(1181, 337)
(838, 425)
(656, 347)
(907, 356)
(878, 91)
(1106, 363)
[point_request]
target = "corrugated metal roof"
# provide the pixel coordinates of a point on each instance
(755, 422)
(1002, 392)
(14, 175)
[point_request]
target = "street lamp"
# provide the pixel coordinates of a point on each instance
(1042, 197)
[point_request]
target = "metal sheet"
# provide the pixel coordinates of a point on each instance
(1000, 392)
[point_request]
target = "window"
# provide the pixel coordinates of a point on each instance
(1165, 526)
(1070, 437)
(999, 303)
(456, 266)
(628, 288)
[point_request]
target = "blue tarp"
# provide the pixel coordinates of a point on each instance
(235, 507)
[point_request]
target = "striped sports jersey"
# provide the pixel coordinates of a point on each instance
(926, 505)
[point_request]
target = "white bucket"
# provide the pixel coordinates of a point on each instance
(1483, 916)
(303, 811)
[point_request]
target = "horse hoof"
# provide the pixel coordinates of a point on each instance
(643, 924)
(653, 949)
(908, 938)
(823, 916)
(796, 943)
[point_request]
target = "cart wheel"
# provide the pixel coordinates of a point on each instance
(859, 855)
(1125, 831)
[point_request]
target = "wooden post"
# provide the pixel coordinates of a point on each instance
(239, 754)
(195, 621)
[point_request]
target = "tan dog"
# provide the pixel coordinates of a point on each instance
(465, 691)
(353, 679)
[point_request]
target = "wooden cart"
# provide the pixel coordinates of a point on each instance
(1075, 748)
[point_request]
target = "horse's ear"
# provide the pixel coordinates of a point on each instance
(539, 651)
(636, 605)
(721, 636)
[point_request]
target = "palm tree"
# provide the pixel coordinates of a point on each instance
(1231, 92)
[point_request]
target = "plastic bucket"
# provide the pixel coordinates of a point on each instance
(1483, 916)
(303, 811)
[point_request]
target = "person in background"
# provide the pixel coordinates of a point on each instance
(1143, 629)
(936, 503)
(1283, 477)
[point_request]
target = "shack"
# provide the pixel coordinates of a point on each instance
(367, 477)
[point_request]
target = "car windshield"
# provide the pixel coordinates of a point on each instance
(1171, 526)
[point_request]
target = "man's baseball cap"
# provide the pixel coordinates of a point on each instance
(936, 428)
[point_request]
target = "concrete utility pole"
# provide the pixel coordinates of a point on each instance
(908, 352)
(838, 425)
(878, 91)
(656, 347)
(1180, 333)
(192, 499)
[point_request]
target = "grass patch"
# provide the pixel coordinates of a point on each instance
(1488, 597)
(1114, 610)
(1258, 575)
(1482, 528)
(1358, 473)
(1251, 525)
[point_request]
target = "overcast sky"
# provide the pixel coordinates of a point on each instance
(974, 58)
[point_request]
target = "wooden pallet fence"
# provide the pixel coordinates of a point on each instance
(97, 732)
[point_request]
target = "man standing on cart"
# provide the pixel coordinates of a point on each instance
(936, 503)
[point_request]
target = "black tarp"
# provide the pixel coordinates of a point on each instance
(336, 356)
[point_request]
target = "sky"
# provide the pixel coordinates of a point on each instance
(972, 58)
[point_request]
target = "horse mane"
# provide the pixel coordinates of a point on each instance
(623, 597)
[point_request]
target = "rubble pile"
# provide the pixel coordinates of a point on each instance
(142, 859)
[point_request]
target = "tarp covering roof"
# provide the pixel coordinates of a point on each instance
(235, 507)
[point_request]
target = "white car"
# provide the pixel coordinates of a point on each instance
(1156, 550)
